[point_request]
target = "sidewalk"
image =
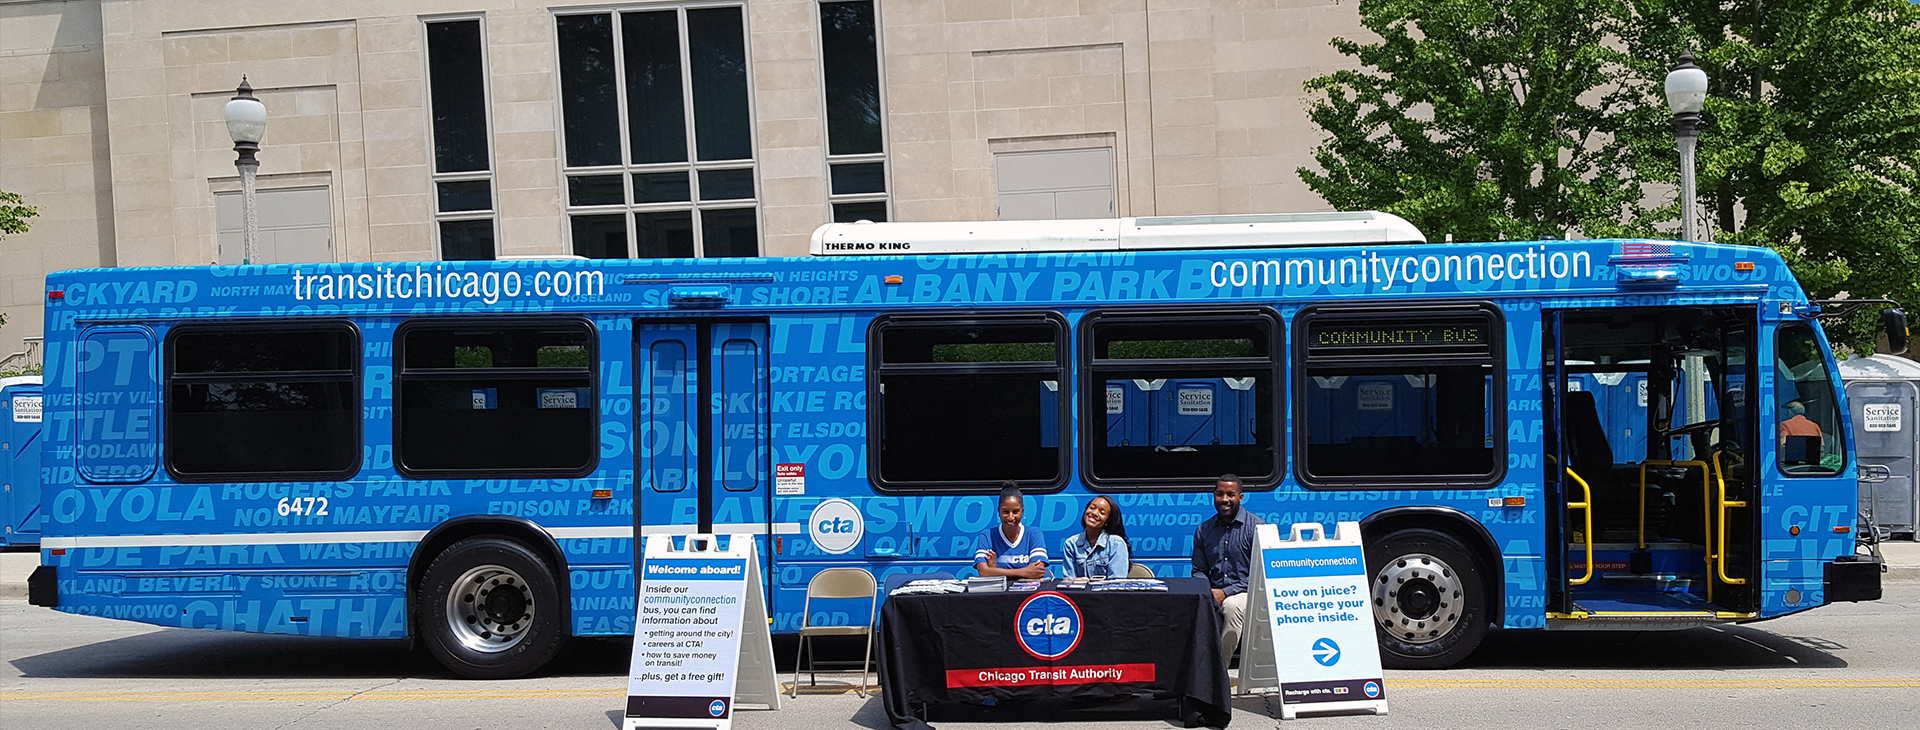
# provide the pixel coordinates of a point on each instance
(1903, 561)
(1903, 566)
(14, 569)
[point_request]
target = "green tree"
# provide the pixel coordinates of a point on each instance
(14, 213)
(1479, 119)
(1809, 142)
(1534, 118)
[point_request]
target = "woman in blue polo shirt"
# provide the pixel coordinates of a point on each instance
(1011, 549)
(1100, 549)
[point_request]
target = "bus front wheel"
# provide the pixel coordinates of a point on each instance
(490, 609)
(1429, 603)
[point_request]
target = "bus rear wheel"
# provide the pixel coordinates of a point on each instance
(1429, 602)
(490, 609)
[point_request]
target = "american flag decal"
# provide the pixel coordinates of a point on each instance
(1644, 249)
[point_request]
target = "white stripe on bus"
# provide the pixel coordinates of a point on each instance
(274, 538)
(303, 538)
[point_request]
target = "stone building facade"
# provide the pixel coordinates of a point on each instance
(427, 129)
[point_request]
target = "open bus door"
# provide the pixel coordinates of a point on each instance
(1655, 507)
(702, 468)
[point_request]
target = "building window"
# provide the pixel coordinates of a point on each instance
(462, 171)
(856, 142)
(967, 402)
(496, 399)
(1181, 397)
(263, 402)
(657, 133)
(1407, 396)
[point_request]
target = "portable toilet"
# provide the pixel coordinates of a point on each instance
(1624, 409)
(1620, 398)
(20, 460)
(1320, 399)
(1883, 392)
(1128, 412)
(1203, 412)
(1343, 408)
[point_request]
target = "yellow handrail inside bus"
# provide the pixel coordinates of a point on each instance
(1586, 536)
(1720, 563)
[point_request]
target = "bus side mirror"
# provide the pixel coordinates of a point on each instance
(1895, 321)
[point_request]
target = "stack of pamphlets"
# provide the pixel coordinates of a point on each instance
(1131, 584)
(995, 584)
(1071, 584)
(1023, 586)
(929, 587)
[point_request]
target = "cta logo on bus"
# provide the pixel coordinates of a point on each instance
(1048, 625)
(836, 526)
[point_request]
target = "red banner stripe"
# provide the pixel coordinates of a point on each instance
(1028, 676)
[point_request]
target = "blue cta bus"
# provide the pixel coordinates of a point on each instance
(1551, 434)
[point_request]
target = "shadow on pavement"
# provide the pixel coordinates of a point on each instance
(1719, 647)
(176, 653)
(215, 654)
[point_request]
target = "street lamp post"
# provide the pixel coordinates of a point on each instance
(1686, 94)
(247, 123)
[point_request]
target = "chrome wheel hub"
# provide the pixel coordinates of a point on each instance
(489, 609)
(1417, 598)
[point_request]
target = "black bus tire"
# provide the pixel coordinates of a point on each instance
(490, 609)
(1429, 600)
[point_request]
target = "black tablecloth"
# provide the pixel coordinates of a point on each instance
(963, 647)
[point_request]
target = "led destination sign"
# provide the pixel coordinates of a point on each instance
(1419, 337)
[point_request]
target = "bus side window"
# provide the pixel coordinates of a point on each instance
(1807, 431)
(1181, 397)
(497, 398)
(115, 379)
(263, 401)
(967, 401)
(1403, 396)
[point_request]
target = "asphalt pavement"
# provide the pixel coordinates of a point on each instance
(1854, 665)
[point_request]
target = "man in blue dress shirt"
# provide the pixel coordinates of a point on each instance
(1223, 551)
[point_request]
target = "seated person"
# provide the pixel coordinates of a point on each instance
(1795, 421)
(1011, 549)
(1799, 435)
(1100, 550)
(1223, 552)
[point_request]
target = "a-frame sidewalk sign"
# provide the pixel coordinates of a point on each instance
(700, 637)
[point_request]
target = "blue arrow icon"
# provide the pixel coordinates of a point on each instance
(1326, 652)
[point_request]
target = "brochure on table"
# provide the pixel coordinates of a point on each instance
(700, 639)
(1309, 630)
